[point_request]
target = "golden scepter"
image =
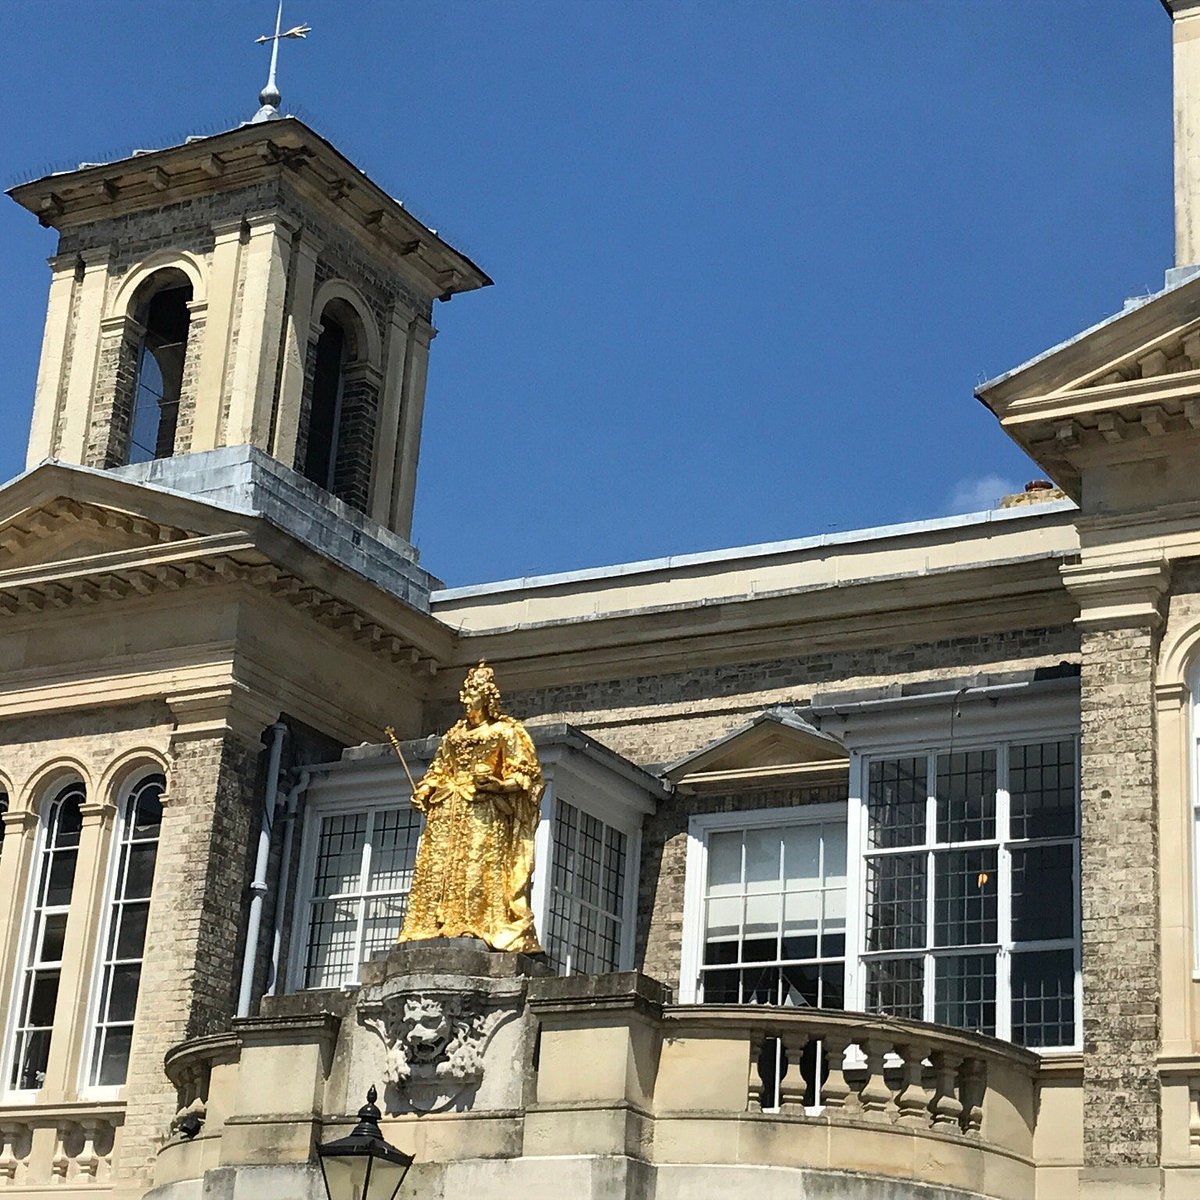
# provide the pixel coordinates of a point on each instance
(391, 733)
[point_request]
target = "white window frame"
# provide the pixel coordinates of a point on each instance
(610, 799)
(1193, 683)
(88, 1090)
(544, 864)
(1018, 714)
(699, 829)
(12, 1095)
(315, 813)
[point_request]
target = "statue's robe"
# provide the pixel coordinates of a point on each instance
(474, 862)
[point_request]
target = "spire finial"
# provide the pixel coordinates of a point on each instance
(269, 97)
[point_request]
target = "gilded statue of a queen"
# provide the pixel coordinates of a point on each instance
(481, 799)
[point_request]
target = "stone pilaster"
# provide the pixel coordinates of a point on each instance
(1122, 1021)
(52, 365)
(192, 964)
(412, 411)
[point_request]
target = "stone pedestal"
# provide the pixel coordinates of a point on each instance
(440, 1024)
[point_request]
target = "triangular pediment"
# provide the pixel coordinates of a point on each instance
(1149, 338)
(1135, 375)
(64, 530)
(775, 746)
(59, 513)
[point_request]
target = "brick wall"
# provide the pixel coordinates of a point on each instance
(657, 719)
(356, 443)
(113, 399)
(1119, 851)
(192, 967)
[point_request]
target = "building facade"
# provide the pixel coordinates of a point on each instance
(867, 861)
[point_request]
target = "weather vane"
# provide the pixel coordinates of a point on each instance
(269, 97)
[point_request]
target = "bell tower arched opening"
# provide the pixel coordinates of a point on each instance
(325, 412)
(342, 384)
(161, 310)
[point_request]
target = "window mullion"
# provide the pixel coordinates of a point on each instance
(364, 873)
(930, 883)
(1003, 898)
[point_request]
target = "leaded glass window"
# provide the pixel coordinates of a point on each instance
(362, 873)
(38, 984)
(587, 892)
(971, 888)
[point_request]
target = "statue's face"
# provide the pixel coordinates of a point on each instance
(473, 698)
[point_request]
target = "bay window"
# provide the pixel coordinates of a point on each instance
(585, 930)
(359, 864)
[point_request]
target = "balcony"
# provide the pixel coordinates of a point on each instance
(601, 1087)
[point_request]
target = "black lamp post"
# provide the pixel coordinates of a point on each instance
(362, 1166)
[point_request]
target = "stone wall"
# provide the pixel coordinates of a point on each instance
(1119, 850)
(192, 968)
(657, 719)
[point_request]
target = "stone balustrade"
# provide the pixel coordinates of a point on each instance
(795, 1090)
(600, 1086)
(66, 1147)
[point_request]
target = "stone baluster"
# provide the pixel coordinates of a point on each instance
(875, 1095)
(945, 1105)
(912, 1100)
(972, 1087)
(792, 1086)
(835, 1091)
(1194, 1113)
(60, 1164)
(88, 1161)
(11, 1135)
(753, 1080)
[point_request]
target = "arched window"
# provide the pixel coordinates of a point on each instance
(325, 415)
(37, 986)
(124, 936)
(162, 311)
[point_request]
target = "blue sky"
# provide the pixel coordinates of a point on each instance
(751, 258)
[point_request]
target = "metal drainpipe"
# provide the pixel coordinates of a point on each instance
(258, 888)
(285, 870)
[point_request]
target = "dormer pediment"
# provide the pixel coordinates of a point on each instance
(777, 747)
(1115, 389)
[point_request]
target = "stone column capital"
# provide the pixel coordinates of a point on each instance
(1170, 696)
(95, 256)
(97, 812)
(225, 231)
(1118, 595)
(423, 331)
(120, 324)
(18, 821)
(309, 244)
(215, 712)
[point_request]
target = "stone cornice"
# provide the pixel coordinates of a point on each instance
(245, 157)
(172, 560)
(924, 608)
